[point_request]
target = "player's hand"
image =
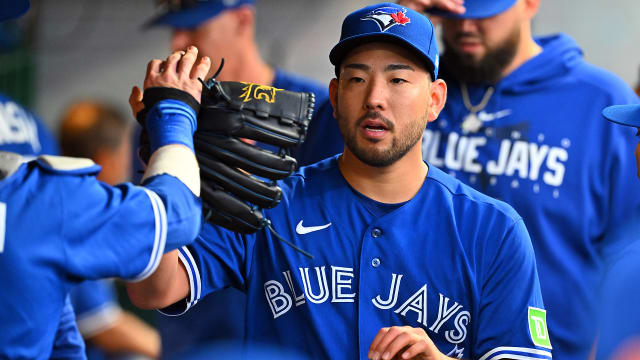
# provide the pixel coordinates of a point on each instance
(403, 342)
(455, 6)
(179, 71)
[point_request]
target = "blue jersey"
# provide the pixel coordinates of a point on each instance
(225, 308)
(542, 146)
(62, 226)
(22, 132)
(68, 343)
(452, 261)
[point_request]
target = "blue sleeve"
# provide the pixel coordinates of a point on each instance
(121, 231)
(68, 343)
(95, 305)
(512, 319)
(218, 259)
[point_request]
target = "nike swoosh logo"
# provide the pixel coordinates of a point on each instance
(487, 117)
(300, 229)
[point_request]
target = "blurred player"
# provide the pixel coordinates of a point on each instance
(221, 29)
(60, 225)
(509, 130)
(101, 133)
(408, 261)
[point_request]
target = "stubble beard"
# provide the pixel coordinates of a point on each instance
(400, 145)
(488, 69)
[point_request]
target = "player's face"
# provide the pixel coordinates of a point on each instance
(383, 101)
(214, 38)
(479, 50)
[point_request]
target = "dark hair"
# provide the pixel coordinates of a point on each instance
(89, 126)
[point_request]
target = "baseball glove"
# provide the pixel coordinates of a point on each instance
(238, 178)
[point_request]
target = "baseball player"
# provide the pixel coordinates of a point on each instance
(620, 319)
(60, 225)
(221, 29)
(509, 130)
(407, 261)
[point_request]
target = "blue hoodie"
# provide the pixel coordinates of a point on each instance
(544, 148)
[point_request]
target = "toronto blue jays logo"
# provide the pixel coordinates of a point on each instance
(387, 17)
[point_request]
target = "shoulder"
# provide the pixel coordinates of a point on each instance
(67, 165)
(464, 200)
(315, 179)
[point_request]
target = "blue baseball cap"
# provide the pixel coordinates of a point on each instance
(477, 9)
(623, 114)
(188, 14)
(13, 9)
(388, 22)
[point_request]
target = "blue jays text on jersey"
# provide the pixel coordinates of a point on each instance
(452, 261)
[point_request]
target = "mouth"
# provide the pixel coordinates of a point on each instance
(374, 128)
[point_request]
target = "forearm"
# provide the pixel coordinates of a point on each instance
(167, 285)
(129, 334)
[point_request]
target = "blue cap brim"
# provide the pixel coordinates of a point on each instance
(623, 114)
(477, 9)
(194, 16)
(339, 51)
(13, 9)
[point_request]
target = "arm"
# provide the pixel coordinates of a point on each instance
(129, 334)
(167, 285)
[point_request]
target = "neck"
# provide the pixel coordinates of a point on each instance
(249, 67)
(396, 183)
(528, 49)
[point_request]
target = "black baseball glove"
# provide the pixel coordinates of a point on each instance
(238, 178)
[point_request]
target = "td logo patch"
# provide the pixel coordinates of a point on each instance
(538, 327)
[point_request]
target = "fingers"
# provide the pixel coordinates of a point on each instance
(455, 6)
(406, 342)
(153, 67)
(187, 60)
(201, 69)
(170, 65)
(135, 100)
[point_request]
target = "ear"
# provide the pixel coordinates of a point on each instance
(245, 18)
(333, 95)
(438, 94)
(531, 8)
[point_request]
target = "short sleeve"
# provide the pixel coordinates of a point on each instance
(218, 259)
(512, 319)
(111, 231)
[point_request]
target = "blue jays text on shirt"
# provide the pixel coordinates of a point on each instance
(538, 161)
(17, 126)
(282, 301)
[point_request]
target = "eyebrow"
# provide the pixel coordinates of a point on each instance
(390, 67)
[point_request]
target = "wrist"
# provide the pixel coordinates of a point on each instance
(171, 122)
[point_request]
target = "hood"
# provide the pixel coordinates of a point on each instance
(560, 53)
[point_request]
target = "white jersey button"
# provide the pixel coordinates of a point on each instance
(375, 262)
(376, 233)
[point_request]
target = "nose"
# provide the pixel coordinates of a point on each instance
(180, 39)
(376, 95)
(467, 25)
